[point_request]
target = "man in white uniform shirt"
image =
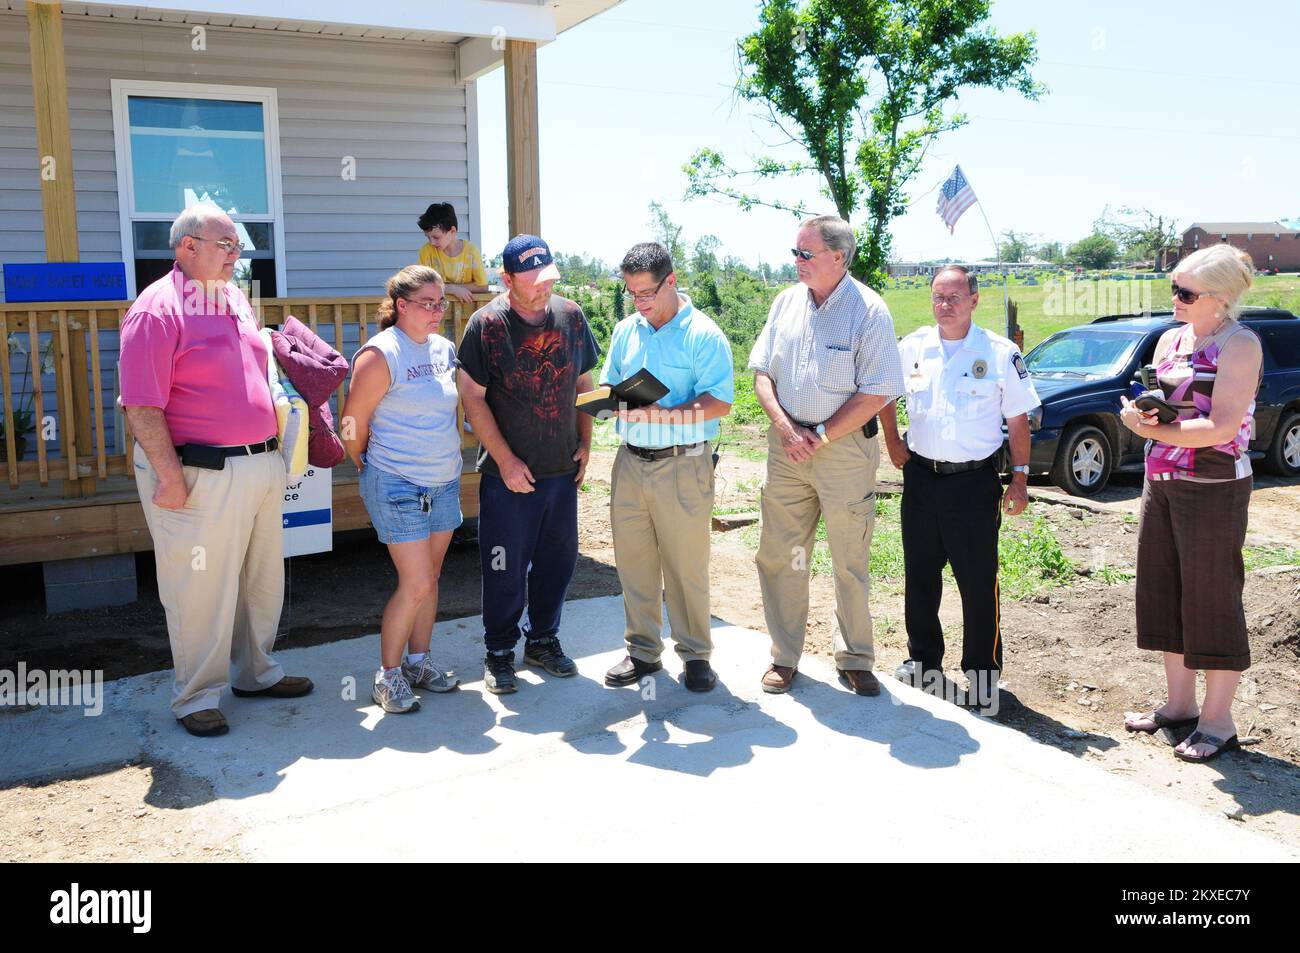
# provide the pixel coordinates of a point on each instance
(961, 381)
(824, 364)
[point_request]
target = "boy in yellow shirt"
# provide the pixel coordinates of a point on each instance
(458, 261)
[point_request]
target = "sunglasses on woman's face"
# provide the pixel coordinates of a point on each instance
(1187, 296)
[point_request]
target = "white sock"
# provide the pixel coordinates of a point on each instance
(379, 675)
(415, 658)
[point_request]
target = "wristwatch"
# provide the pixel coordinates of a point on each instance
(821, 432)
(1022, 469)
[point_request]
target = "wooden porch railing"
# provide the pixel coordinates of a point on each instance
(78, 418)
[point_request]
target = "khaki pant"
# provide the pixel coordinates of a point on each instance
(220, 575)
(839, 484)
(661, 513)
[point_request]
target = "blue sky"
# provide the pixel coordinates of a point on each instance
(1192, 113)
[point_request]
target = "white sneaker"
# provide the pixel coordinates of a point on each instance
(392, 693)
(427, 676)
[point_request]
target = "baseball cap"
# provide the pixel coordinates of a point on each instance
(527, 252)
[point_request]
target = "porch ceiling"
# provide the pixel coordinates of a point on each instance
(534, 20)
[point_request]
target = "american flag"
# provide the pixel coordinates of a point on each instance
(954, 198)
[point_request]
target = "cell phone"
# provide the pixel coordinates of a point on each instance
(1165, 412)
(207, 458)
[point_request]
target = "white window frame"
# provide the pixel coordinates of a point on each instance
(265, 95)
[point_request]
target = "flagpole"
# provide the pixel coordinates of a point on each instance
(997, 248)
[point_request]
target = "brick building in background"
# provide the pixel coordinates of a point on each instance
(1270, 244)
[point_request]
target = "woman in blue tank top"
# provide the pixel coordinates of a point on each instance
(399, 427)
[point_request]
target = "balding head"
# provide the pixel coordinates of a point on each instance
(194, 238)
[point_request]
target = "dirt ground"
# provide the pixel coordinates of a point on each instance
(1070, 660)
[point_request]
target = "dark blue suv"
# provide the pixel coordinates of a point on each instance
(1081, 373)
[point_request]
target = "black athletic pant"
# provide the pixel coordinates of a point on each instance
(954, 519)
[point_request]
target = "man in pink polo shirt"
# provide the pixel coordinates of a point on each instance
(194, 385)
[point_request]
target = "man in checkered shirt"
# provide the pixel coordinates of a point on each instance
(825, 363)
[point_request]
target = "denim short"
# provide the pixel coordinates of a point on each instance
(402, 512)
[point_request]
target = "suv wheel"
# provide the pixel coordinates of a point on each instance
(1083, 461)
(1284, 454)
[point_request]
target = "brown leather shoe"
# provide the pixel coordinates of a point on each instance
(291, 686)
(862, 682)
(205, 723)
(778, 679)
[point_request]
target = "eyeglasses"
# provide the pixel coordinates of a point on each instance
(805, 254)
(645, 295)
(225, 244)
(950, 300)
(436, 307)
(1186, 295)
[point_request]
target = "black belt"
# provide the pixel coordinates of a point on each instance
(945, 468)
(663, 453)
(240, 450)
(869, 429)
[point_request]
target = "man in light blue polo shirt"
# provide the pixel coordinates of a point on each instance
(661, 493)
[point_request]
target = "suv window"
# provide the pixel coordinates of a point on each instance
(1283, 342)
(1082, 351)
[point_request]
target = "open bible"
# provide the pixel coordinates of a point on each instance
(638, 390)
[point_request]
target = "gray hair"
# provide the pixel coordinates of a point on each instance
(835, 233)
(192, 220)
(972, 282)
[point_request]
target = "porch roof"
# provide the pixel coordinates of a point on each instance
(471, 25)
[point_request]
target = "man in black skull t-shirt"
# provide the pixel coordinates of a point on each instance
(525, 357)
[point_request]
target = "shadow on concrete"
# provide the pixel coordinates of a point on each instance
(692, 732)
(915, 737)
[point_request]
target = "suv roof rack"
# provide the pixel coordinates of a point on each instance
(1251, 312)
(1136, 316)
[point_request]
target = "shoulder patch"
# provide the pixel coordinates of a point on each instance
(1019, 364)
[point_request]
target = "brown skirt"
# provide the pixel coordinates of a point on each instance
(1190, 572)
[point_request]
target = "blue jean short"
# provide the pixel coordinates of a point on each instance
(402, 512)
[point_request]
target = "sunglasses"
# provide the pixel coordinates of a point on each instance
(804, 254)
(1186, 296)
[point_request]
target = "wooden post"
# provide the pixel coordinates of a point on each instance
(522, 162)
(101, 465)
(53, 137)
(81, 401)
(11, 445)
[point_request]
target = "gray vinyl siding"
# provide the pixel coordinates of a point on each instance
(394, 107)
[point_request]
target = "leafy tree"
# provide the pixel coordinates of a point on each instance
(1140, 233)
(864, 87)
(1096, 251)
(667, 232)
(1015, 245)
(619, 306)
(703, 290)
(1051, 251)
(705, 257)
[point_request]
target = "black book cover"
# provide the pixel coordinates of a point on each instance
(640, 389)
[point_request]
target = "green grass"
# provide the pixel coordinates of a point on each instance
(1051, 305)
(732, 510)
(1112, 575)
(886, 545)
(1031, 560)
(1260, 557)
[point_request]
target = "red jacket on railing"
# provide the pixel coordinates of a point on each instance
(316, 370)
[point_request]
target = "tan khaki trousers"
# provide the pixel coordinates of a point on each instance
(661, 513)
(838, 483)
(220, 575)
